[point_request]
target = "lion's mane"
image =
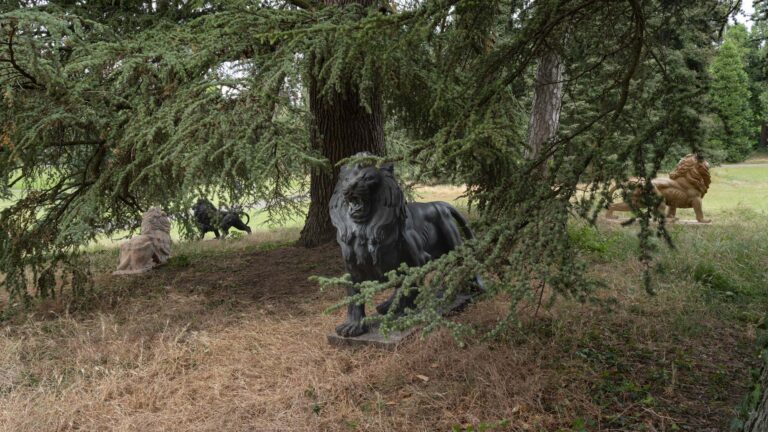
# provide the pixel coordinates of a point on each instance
(154, 220)
(695, 170)
(387, 219)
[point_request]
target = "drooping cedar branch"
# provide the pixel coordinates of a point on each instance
(11, 32)
(150, 104)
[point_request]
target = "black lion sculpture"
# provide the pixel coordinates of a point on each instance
(209, 218)
(377, 230)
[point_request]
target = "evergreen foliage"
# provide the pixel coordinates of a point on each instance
(109, 108)
(757, 70)
(730, 97)
(625, 110)
(101, 120)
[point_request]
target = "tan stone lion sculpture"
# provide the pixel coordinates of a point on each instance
(686, 186)
(149, 249)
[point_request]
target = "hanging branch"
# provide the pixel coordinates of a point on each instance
(32, 82)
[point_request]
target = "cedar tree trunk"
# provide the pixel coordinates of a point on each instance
(341, 128)
(547, 100)
(758, 419)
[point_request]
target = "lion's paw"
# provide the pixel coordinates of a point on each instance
(351, 329)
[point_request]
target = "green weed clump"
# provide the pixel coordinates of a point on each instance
(708, 275)
(179, 261)
(603, 243)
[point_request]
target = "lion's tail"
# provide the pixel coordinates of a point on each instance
(247, 217)
(464, 226)
(462, 222)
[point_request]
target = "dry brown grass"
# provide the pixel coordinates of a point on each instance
(236, 341)
(448, 193)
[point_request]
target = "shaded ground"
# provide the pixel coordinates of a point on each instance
(274, 278)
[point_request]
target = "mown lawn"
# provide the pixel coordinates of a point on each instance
(743, 186)
(738, 186)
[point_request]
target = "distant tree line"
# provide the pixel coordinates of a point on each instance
(738, 118)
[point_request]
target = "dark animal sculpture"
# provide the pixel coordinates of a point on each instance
(377, 231)
(209, 218)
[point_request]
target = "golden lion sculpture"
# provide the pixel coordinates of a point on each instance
(686, 186)
(149, 249)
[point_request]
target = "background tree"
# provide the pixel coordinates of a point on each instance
(345, 120)
(751, 44)
(757, 69)
(731, 97)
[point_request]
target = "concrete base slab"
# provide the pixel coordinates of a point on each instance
(691, 222)
(677, 222)
(375, 338)
(132, 272)
(372, 338)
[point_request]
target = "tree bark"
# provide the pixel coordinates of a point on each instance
(547, 101)
(764, 136)
(758, 419)
(341, 128)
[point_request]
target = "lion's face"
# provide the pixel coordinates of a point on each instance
(359, 187)
(154, 220)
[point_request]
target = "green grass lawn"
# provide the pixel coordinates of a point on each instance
(742, 186)
(734, 187)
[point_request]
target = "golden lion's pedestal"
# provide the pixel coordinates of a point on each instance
(685, 222)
